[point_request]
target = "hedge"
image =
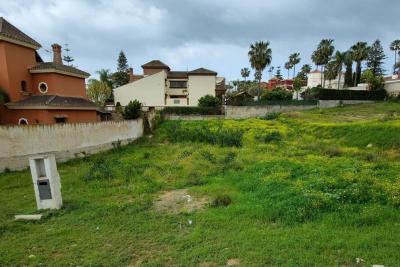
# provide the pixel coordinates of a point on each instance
(332, 94)
(192, 110)
(292, 102)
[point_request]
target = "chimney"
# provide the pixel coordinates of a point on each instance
(57, 54)
(131, 76)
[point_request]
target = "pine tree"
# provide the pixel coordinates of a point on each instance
(278, 73)
(375, 59)
(121, 77)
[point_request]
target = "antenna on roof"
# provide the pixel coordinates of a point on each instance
(68, 58)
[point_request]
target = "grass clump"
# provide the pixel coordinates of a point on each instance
(269, 137)
(272, 116)
(225, 137)
(101, 169)
(221, 201)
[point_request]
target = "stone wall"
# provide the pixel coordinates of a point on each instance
(192, 117)
(337, 103)
(67, 141)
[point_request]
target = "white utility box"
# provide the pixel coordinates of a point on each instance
(46, 181)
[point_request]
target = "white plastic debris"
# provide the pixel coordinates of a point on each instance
(190, 222)
(359, 260)
(377, 265)
(369, 145)
(32, 217)
(31, 256)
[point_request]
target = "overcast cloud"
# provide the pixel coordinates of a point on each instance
(214, 34)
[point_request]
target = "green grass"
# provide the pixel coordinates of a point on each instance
(304, 190)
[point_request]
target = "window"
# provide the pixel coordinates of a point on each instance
(177, 84)
(22, 121)
(177, 101)
(23, 86)
(43, 87)
(61, 119)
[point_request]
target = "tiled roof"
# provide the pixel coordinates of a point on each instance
(10, 31)
(52, 67)
(202, 71)
(177, 74)
(157, 64)
(53, 101)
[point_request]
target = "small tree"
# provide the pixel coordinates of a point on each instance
(98, 92)
(297, 84)
(374, 82)
(208, 101)
(133, 110)
(375, 59)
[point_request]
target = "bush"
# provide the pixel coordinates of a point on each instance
(374, 82)
(278, 93)
(192, 110)
(311, 93)
(270, 137)
(133, 110)
(209, 101)
(221, 201)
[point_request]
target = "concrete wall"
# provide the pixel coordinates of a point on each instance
(242, 112)
(193, 117)
(67, 141)
(337, 103)
(199, 86)
(150, 90)
(392, 87)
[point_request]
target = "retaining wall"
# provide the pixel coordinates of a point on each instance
(67, 141)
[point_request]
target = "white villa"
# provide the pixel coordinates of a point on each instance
(314, 79)
(160, 87)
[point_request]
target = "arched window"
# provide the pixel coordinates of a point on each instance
(43, 87)
(23, 86)
(22, 121)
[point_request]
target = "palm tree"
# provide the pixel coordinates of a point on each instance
(306, 69)
(359, 52)
(330, 71)
(339, 59)
(395, 46)
(260, 56)
(294, 59)
(348, 62)
(288, 66)
(105, 77)
(245, 72)
(322, 54)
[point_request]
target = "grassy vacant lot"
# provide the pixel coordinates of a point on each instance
(316, 188)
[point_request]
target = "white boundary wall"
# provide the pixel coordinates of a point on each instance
(67, 141)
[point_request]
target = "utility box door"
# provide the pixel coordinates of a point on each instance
(44, 189)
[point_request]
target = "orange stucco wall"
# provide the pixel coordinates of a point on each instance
(43, 116)
(59, 84)
(15, 62)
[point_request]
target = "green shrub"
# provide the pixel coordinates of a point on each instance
(133, 110)
(221, 201)
(271, 116)
(209, 101)
(277, 93)
(192, 110)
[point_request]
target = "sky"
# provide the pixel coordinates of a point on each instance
(188, 34)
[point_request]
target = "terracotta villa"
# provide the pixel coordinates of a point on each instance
(39, 92)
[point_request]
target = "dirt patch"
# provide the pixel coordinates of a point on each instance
(177, 201)
(233, 262)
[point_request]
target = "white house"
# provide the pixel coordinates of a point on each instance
(314, 79)
(160, 87)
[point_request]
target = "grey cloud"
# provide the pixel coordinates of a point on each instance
(213, 34)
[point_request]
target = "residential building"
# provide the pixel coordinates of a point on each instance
(39, 92)
(315, 77)
(159, 86)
